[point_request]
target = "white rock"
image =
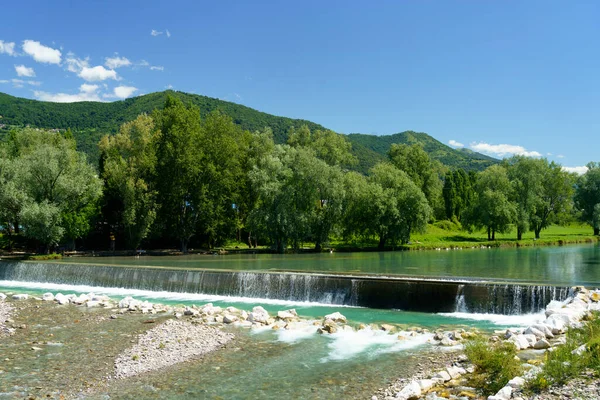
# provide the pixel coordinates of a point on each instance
(2, 296)
(531, 340)
(545, 329)
(81, 299)
(541, 344)
(48, 297)
(443, 376)
(190, 311)
(580, 350)
(536, 332)
(426, 384)
(124, 303)
(455, 372)
(23, 296)
(520, 342)
(446, 341)
(232, 310)
(336, 317)
(503, 394)
(410, 391)
(285, 315)
(516, 382)
(92, 303)
(61, 299)
(259, 315)
(229, 319)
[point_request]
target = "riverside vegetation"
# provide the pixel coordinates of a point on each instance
(175, 179)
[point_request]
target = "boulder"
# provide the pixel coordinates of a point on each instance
(536, 332)
(446, 341)
(336, 317)
(232, 310)
(426, 384)
(388, 327)
(503, 394)
(82, 298)
(22, 296)
(442, 376)
(190, 311)
(48, 297)
(410, 391)
(531, 339)
(286, 315)
(455, 372)
(259, 315)
(124, 303)
(516, 382)
(541, 344)
(92, 303)
(229, 319)
(2, 296)
(520, 342)
(545, 329)
(61, 299)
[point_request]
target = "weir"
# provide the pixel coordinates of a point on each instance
(408, 294)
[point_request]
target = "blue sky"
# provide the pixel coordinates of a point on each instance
(501, 77)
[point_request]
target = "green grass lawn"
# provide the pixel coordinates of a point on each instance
(436, 237)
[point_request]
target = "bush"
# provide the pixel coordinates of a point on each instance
(495, 364)
(53, 256)
(447, 225)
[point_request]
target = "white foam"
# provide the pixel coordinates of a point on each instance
(149, 294)
(348, 344)
(499, 319)
(300, 332)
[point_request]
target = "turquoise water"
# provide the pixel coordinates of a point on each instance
(567, 265)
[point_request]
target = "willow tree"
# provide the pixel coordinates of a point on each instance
(56, 186)
(587, 196)
(387, 204)
(492, 208)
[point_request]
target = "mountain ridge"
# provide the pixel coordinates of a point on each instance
(89, 121)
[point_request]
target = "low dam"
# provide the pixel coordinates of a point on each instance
(337, 289)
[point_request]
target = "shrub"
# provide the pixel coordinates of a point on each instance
(495, 364)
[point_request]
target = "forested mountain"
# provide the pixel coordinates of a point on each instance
(89, 121)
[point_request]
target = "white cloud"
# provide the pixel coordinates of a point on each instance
(144, 63)
(123, 92)
(157, 68)
(169, 86)
(75, 64)
(168, 33)
(154, 32)
(7, 48)
(86, 93)
(97, 73)
(4, 81)
(34, 83)
(454, 143)
(548, 154)
(41, 53)
(117, 62)
(560, 156)
(87, 88)
(577, 170)
(18, 83)
(24, 71)
(501, 150)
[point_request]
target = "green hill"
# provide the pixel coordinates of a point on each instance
(89, 121)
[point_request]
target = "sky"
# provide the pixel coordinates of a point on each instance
(498, 77)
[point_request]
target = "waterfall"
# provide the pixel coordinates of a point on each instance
(372, 291)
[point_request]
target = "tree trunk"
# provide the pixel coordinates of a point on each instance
(493, 234)
(382, 240)
(596, 231)
(184, 246)
(537, 232)
(318, 245)
(489, 233)
(519, 234)
(249, 240)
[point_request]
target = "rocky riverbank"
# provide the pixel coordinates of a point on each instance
(172, 342)
(453, 381)
(6, 311)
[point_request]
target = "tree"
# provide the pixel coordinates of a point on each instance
(56, 185)
(179, 157)
(387, 204)
(526, 176)
(129, 163)
(458, 193)
(417, 164)
(587, 196)
(492, 207)
(333, 148)
(555, 199)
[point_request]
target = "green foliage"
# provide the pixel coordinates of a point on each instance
(386, 204)
(492, 207)
(495, 364)
(458, 192)
(90, 121)
(41, 257)
(329, 146)
(587, 196)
